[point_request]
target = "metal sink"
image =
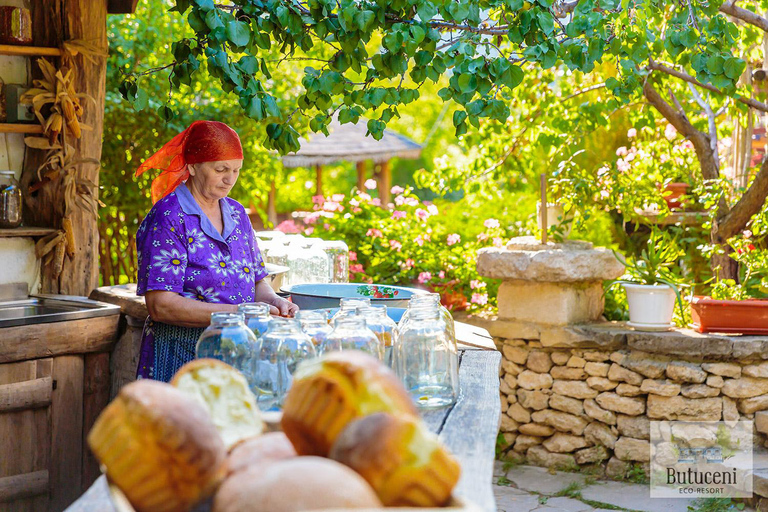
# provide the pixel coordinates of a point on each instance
(40, 309)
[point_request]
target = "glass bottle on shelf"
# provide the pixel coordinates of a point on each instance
(293, 346)
(352, 333)
(348, 307)
(385, 328)
(338, 260)
(228, 339)
(428, 300)
(426, 359)
(256, 316)
(10, 201)
(314, 322)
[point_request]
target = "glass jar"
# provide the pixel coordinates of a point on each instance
(351, 333)
(338, 260)
(10, 201)
(228, 339)
(426, 359)
(317, 269)
(348, 306)
(385, 328)
(256, 316)
(429, 300)
(293, 346)
(314, 322)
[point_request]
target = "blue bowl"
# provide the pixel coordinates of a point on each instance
(328, 295)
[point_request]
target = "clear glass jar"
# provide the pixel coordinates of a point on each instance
(293, 346)
(10, 201)
(385, 328)
(351, 333)
(314, 322)
(429, 300)
(348, 306)
(228, 339)
(256, 316)
(317, 269)
(338, 260)
(426, 359)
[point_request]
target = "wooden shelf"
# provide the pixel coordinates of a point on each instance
(675, 217)
(26, 231)
(20, 128)
(29, 51)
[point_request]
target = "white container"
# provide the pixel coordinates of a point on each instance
(650, 306)
(555, 217)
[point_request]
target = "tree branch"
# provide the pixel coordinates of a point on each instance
(750, 203)
(655, 66)
(710, 122)
(744, 15)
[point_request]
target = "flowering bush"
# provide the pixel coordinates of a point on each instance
(408, 244)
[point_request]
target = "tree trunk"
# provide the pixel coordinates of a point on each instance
(56, 21)
(360, 166)
(271, 208)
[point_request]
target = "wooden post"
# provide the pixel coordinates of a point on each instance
(56, 21)
(360, 175)
(543, 226)
(319, 180)
(385, 183)
(271, 208)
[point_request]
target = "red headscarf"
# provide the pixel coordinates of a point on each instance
(203, 141)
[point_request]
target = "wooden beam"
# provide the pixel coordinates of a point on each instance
(319, 180)
(385, 183)
(360, 175)
(96, 383)
(29, 394)
(67, 432)
(22, 486)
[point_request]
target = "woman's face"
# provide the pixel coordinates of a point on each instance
(215, 179)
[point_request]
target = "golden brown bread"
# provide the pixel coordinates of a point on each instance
(159, 446)
(404, 462)
(330, 391)
(301, 483)
(260, 452)
(225, 394)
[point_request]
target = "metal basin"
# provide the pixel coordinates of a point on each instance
(40, 309)
(321, 296)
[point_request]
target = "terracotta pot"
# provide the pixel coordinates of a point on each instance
(730, 316)
(677, 190)
(452, 300)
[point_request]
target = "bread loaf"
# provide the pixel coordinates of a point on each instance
(330, 391)
(159, 446)
(260, 452)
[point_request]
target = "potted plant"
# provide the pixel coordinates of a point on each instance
(559, 219)
(651, 286)
(673, 192)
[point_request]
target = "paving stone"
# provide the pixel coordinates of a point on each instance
(541, 481)
(633, 497)
(563, 504)
(509, 499)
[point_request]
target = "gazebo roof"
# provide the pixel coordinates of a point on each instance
(348, 143)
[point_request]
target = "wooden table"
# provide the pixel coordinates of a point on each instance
(468, 428)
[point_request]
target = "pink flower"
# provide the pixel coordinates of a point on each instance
(363, 196)
(482, 237)
(326, 226)
(354, 202)
(411, 201)
(479, 298)
(312, 217)
(631, 133)
(397, 190)
(288, 226)
(318, 199)
(453, 238)
(747, 233)
(670, 132)
(352, 256)
(441, 275)
(376, 201)
(395, 245)
(419, 240)
(357, 268)
(630, 157)
(370, 184)
(622, 151)
(309, 231)
(399, 201)
(409, 263)
(375, 233)
(491, 223)
(398, 214)
(424, 277)
(687, 144)
(432, 209)
(331, 206)
(422, 214)
(337, 197)
(498, 242)
(476, 284)
(622, 165)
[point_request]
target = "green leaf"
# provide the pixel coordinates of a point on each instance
(205, 5)
(546, 22)
(271, 106)
(238, 33)
(255, 109)
(715, 64)
(212, 20)
(689, 38)
(467, 82)
(165, 112)
(426, 10)
(459, 117)
(141, 99)
(733, 67)
(181, 6)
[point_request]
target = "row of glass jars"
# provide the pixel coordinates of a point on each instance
(310, 260)
(266, 349)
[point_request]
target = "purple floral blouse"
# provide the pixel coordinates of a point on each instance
(181, 251)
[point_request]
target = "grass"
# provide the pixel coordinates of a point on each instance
(636, 474)
(715, 505)
(502, 480)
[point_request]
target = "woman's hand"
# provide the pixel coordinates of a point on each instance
(278, 305)
(284, 306)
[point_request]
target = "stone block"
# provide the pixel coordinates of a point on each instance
(505, 388)
(596, 356)
(660, 387)
(510, 381)
(699, 391)
(617, 468)
(519, 413)
(564, 443)
(500, 328)
(648, 365)
(761, 422)
(715, 381)
(536, 429)
(630, 406)
(511, 368)
(723, 369)
(680, 342)
(565, 404)
(569, 262)
(591, 455)
(576, 362)
(745, 387)
(504, 406)
(540, 456)
(508, 424)
(637, 427)
(625, 389)
(523, 442)
(595, 369)
(730, 410)
(539, 361)
(560, 358)
(601, 383)
(574, 389)
(518, 355)
(561, 421)
(535, 400)
(630, 449)
(599, 434)
(596, 412)
(756, 370)
(750, 405)
(566, 373)
(684, 409)
(686, 372)
(550, 303)
(532, 380)
(621, 374)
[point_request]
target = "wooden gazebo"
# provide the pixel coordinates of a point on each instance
(349, 143)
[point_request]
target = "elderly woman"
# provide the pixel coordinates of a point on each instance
(197, 251)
